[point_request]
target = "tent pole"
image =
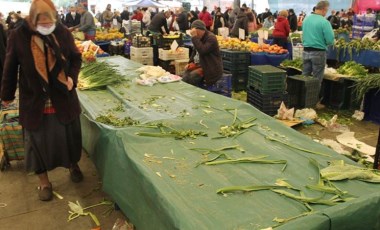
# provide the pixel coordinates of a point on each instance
(377, 154)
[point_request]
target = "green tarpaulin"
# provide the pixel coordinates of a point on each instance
(156, 183)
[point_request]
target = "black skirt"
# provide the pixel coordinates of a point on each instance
(52, 145)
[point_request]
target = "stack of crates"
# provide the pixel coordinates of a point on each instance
(266, 88)
(236, 63)
(303, 91)
(143, 55)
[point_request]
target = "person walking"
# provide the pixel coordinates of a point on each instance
(43, 61)
(317, 35)
(183, 23)
(281, 29)
(240, 23)
(107, 17)
(218, 22)
(205, 16)
(292, 18)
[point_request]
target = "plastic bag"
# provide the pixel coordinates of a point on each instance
(285, 114)
(306, 114)
(358, 115)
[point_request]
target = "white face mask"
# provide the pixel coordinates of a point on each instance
(14, 20)
(45, 30)
(73, 14)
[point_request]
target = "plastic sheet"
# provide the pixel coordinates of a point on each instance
(155, 181)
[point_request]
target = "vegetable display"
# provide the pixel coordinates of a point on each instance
(355, 45)
(295, 64)
(352, 68)
(95, 75)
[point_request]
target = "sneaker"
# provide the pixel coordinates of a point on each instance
(76, 175)
(46, 193)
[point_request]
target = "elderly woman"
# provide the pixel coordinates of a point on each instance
(43, 61)
(281, 29)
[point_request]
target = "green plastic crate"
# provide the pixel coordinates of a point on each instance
(267, 79)
(236, 56)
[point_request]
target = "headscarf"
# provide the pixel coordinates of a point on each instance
(48, 59)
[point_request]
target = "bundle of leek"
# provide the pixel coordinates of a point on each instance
(95, 75)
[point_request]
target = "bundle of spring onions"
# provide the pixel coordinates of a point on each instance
(364, 84)
(95, 75)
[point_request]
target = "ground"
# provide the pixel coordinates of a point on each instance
(23, 210)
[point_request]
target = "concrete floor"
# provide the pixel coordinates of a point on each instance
(24, 211)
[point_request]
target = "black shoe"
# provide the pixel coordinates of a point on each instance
(46, 193)
(76, 175)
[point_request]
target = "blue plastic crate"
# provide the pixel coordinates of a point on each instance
(223, 86)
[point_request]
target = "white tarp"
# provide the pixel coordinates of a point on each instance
(145, 3)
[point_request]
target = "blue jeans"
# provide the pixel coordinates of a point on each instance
(314, 64)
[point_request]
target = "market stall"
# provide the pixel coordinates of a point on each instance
(159, 182)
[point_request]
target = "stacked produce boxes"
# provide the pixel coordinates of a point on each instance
(303, 91)
(236, 63)
(266, 88)
(143, 55)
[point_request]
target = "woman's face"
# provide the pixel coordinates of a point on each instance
(44, 21)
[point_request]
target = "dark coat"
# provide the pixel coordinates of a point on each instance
(3, 45)
(158, 21)
(124, 15)
(209, 57)
(70, 21)
(293, 22)
(335, 22)
(182, 21)
(240, 23)
(32, 96)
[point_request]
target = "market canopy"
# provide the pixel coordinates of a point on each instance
(170, 4)
(145, 3)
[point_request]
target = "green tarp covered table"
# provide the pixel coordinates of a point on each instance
(156, 183)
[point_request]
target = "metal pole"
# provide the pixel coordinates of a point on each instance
(377, 154)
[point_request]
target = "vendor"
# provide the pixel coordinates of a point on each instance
(205, 62)
(43, 62)
(159, 21)
(87, 23)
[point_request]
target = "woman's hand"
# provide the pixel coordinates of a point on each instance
(70, 83)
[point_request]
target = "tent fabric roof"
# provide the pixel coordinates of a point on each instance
(145, 3)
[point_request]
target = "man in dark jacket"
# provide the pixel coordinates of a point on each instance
(125, 14)
(335, 21)
(182, 20)
(292, 18)
(72, 18)
(205, 62)
(159, 21)
(241, 23)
